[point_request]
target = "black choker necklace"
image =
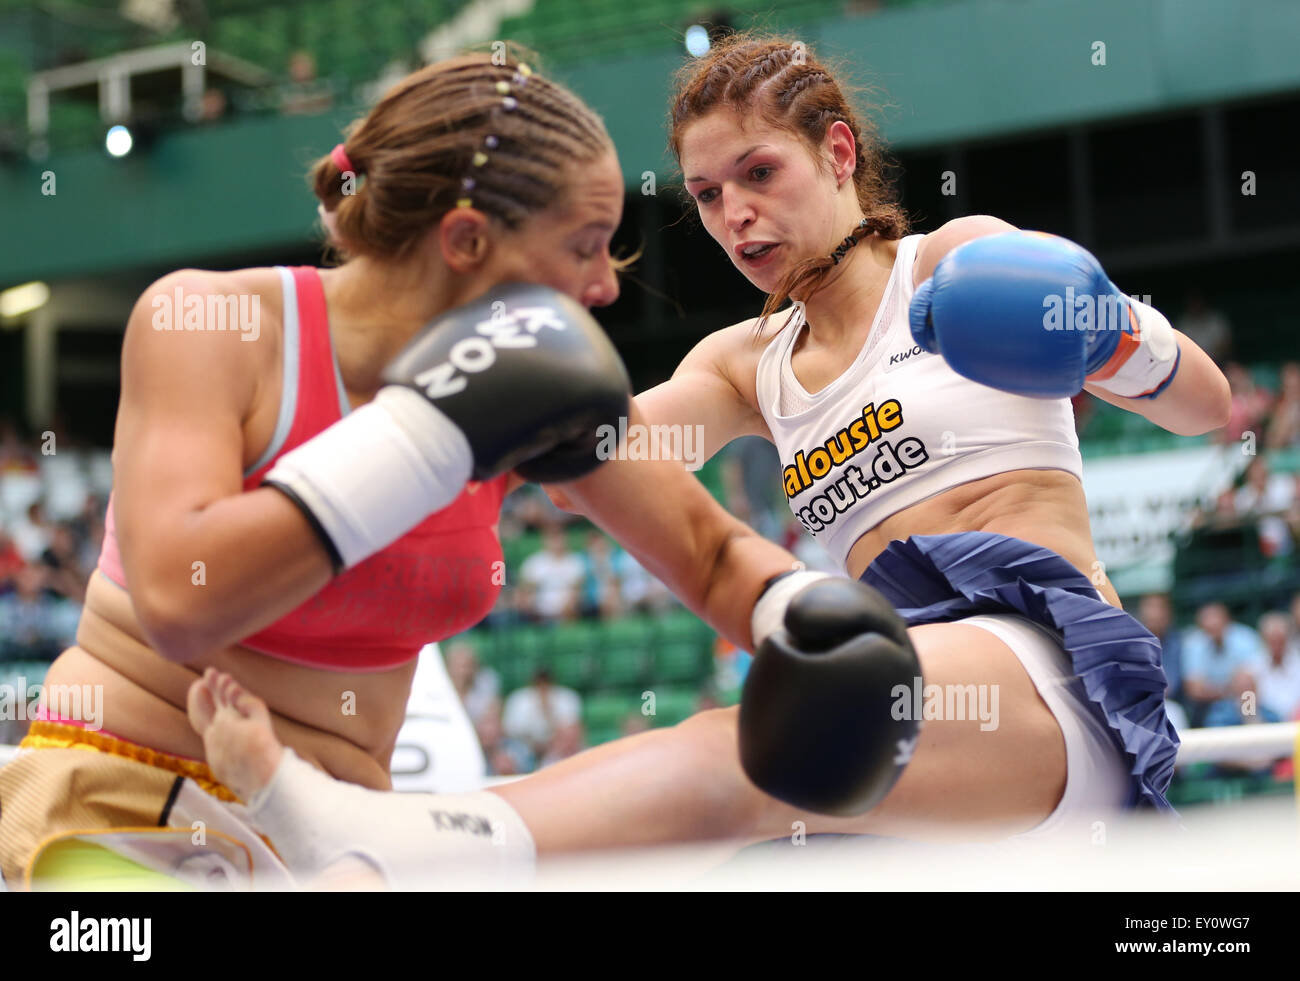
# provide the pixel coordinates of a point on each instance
(850, 240)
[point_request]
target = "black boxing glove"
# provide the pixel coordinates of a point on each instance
(522, 374)
(817, 726)
(526, 374)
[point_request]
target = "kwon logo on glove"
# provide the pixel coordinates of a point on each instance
(517, 328)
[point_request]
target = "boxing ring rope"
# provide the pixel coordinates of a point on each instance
(1276, 739)
(1227, 742)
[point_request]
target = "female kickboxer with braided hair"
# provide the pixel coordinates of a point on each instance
(307, 510)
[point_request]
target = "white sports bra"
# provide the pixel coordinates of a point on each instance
(898, 426)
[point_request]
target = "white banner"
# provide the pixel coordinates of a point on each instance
(1136, 503)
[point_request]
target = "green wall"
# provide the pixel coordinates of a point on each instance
(948, 72)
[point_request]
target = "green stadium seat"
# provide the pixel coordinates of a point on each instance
(529, 640)
(572, 668)
(1267, 375)
(599, 735)
(677, 625)
(673, 705)
(519, 651)
(516, 671)
(578, 637)
(516, 549)
(607, 710)
(629, 633)
(482, 641)
(619, 668)
(1285, 461)
(681, 661)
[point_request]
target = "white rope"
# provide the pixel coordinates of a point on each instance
(1229, 742)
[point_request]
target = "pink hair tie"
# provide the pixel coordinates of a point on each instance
(341, 160)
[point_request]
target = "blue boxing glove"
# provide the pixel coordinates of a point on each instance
(1036, 315)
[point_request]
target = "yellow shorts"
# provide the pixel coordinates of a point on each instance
(69, 786)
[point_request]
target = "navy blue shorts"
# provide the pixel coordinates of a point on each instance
(942, 578)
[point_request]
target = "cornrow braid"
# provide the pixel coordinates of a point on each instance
(464, 132)
(775, 60)
(796, 88)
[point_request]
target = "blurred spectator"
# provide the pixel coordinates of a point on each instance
(213, 106)
(1156, 613)
(32, 535)
(640, 591)
(806, 549)
(1270, 496)
(613, 582)
(634, 723)
(11, 561)
(535, 713)
(505, 756)
(748, 467)
(1208, 328)
(88, 531)
(514, 607)
(1284, 427)
(601, 593)
(1220, 660)
(1231, 543)
(569, 740)
(1279, 679)
(553, 577)
(1249, 407)
(15, 453)
(532, 508)
(1223, 515)
(707, 699)
(477, 686)
(66, 577)
(33, 626)
(730, 666)
(305, 94)
(1295, 618)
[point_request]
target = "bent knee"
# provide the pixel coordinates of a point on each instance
(1004, 761)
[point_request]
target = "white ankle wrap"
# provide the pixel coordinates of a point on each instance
(415, 841)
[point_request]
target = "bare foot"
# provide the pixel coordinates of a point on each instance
(240, 744)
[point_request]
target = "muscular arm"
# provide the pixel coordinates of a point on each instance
(699, 394)
(1196, 401)
(178, 493)
(665, 518)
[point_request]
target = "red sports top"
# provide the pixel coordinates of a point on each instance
(435, 581)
